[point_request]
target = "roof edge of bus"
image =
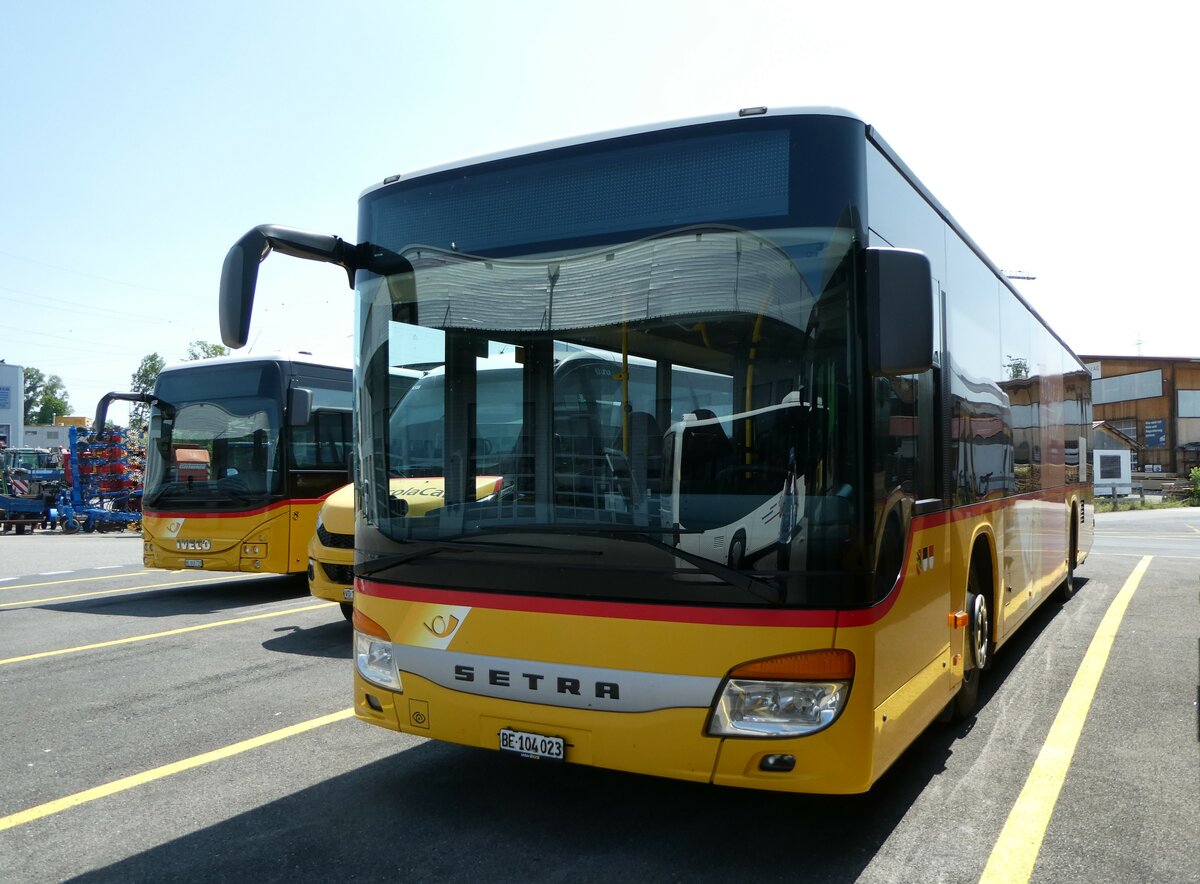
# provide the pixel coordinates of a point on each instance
(637, 129)
(301, 356)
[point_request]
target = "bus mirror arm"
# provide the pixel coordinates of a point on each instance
(102, 407)
(239, 274)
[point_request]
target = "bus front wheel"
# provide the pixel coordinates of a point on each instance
(979, 647)
(737, 550)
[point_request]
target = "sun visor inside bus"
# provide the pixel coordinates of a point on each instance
(713, 272)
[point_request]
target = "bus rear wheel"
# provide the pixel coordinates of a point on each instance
(979, 647)
(1066, 589)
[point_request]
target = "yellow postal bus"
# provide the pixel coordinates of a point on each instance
(240, 454)
(909, 432)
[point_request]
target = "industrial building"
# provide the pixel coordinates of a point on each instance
(1156, 403)
(12, 405)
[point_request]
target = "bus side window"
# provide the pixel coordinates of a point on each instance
(707, 451)
(332, 428)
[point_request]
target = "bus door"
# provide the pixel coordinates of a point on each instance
(913, 556)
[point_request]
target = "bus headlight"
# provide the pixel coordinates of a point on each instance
(789, 696)
(373, 655)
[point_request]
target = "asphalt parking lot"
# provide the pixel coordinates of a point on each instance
(178, 725)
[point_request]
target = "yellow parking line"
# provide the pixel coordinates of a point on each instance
(60, 598)
(1016, 850)
(74, 580)
(130, 782)
(142, 638)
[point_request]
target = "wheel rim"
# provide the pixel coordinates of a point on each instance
(979, 632)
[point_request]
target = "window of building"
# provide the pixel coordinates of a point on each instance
(1189, 403)
(1127, 387)
(1128, 426)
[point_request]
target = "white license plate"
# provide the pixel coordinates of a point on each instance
(530, 745)
(347, 595)
(193, 563)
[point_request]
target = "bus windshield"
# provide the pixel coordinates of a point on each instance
(644, 370)
(659, 404)
(214, 438)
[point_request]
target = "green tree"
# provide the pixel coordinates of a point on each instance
(205, 350)
(45, 397)
(35, 384)
(1018, 367)
(142, 381)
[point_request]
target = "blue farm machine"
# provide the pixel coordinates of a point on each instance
(102, 487)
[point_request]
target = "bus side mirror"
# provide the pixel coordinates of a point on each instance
(239, 273)
(239, 278)
(899, 311)
(299, 406)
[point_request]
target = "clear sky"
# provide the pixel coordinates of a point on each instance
(139, 140)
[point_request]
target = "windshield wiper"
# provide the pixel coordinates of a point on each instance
(383, 563)
(763, 590)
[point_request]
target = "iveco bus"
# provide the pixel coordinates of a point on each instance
(240, 453)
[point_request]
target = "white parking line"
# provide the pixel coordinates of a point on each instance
(52, 573)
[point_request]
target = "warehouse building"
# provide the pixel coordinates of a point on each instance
(1156, 403)
(12, 405)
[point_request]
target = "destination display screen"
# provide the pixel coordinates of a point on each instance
(666, 183)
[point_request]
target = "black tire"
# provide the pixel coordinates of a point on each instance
(347, 610)
(737, 550)
(978, 650)
(1066, 589)
(71, 526)
(20, 527)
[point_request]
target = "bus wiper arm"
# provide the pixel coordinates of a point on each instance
(761, 589)
(383, 563)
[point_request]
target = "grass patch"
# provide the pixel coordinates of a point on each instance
(1122, 504)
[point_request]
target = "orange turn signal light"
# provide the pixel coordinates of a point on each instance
(958, 619)
(830, 664)
(366, 625)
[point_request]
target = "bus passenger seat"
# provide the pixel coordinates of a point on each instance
(645, 451)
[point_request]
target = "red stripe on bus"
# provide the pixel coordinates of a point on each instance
(234, 514)
(593, 608)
